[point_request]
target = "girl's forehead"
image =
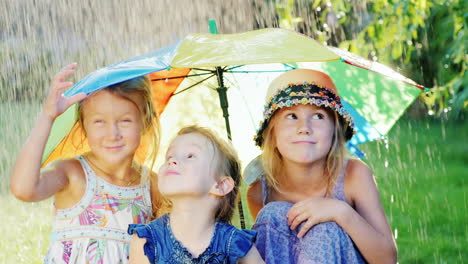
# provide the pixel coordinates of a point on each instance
(108, 101)
(192, 139)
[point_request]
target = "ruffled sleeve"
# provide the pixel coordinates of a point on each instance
(240, 243)
(144, 231)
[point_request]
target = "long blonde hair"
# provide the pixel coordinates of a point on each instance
(272, 160)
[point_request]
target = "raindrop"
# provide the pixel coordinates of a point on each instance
(380, 21)
(386, 164)
(329, 4)
(167, 80)
(409, 42)
(318, 9)
(374, 58)
(446, 110)
(445, 66)
(391, 198)
(430, 112)
(396, 233)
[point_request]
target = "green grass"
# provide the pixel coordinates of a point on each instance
(426, 176)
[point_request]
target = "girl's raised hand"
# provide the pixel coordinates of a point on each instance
(313, 211)
(56, 103)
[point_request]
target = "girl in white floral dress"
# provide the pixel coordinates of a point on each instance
(99, 193)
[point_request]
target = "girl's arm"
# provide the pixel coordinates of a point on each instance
(137, 253)
(366, 224)
(28, 182)
(252, 257)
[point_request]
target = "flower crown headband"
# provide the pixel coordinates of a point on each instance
(304, 94)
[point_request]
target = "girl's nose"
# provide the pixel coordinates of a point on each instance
(172, 161)
(303, 128)
(115, 131)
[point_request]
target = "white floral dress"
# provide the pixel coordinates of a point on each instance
(95, 229)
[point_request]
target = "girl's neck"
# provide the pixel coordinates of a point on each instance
(304, 179)
(122, 173)
(192, 222)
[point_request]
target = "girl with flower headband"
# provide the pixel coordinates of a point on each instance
(312, 204)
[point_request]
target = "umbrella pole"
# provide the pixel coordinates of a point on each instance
(223, 101)
(224, 105)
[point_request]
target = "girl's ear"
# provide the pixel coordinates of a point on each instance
(223, 186)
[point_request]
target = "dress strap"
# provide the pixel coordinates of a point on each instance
(146, 185)
(338, 189)
(264, 190)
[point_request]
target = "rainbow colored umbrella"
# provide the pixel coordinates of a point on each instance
(220, 81)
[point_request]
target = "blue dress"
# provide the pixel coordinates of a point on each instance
(323, 243)
(227, 245)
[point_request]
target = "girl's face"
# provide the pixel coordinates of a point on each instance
(190, 167)
(303, 133)
(113, 126)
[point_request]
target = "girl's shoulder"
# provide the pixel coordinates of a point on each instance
(356, 168)
(71, 167)
(236, 242)
(357, 176)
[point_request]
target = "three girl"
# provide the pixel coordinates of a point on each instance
(314, 205)
(200, 177)
(99, 193)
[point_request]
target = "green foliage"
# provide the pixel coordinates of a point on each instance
(426, 39)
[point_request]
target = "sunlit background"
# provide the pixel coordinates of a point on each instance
(421, 167)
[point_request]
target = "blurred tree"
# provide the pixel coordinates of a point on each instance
(425, 38)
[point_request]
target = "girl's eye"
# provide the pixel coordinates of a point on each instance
(291, 116)
(190, 155)
(318, 116)
(98, 121)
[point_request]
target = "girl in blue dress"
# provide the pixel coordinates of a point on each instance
(200, 177)
(312, 204)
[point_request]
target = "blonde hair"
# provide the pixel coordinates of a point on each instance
(272, 161)
(228, 165)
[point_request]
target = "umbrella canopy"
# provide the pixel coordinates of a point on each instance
(375, 95)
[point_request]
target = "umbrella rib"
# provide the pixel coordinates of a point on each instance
(195, 84)
(255, 71)
(182, 76)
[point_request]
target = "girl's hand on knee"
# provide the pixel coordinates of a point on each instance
(56, 103)
(313, 211)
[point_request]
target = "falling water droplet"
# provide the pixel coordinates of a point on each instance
(318, 9)
(430, 112)
(391, 198)
(167, 80)
(386, 143)
(386, 164)
(396, 233)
